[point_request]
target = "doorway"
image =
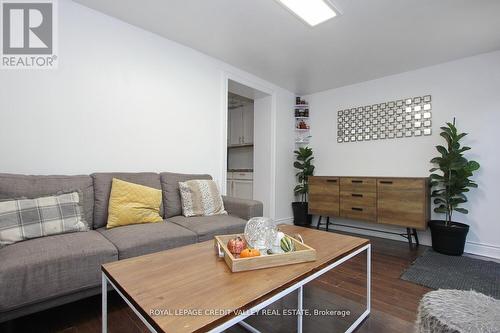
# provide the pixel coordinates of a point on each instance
(248, 143)
(240, 146)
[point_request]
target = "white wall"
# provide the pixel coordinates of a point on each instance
(262, 147)
(122, 99)
(468, 89)
(285, 173)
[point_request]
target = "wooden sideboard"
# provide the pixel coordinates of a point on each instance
(402, 202)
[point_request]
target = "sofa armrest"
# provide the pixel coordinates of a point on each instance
(246, 209)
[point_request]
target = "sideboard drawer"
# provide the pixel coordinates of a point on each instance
(399, 184)
(358, 185)
(368, 199)
(324, 185)
(358, 212)
(324, 196)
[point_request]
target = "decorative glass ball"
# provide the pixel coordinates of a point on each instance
(260, 233)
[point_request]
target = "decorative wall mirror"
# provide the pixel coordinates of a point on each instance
(407, 117)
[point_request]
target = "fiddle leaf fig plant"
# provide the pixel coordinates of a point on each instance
(304, 157)
(450, 179)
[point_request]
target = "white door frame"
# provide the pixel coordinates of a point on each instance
(226, 76)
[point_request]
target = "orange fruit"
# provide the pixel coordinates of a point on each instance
(249, 253)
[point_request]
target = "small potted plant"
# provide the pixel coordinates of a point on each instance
(303, 163)
(449, 186)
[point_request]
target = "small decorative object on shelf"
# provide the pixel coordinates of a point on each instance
(301, 124)
(260, 233)
(302, 139)
(300, 102)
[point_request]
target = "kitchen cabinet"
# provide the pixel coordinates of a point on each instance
(242, 189)
(241, 127)
(247, 115)
(235, 131)
(240, 185)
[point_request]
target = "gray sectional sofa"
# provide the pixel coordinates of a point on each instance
(45, 272)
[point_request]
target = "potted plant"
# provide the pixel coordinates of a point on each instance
(449, 188)
(303, 163)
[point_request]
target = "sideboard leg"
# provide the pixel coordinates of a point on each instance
(319, 222)
(416, 236)
(327, 222)
(409, 235)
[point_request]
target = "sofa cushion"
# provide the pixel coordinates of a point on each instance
(206, 227)
(131, 203)
(25, 219)
(170, 187)
(201, 197)
(44, 268)
(139, 239)
(244, 208)
(21, 186)
(102, 190)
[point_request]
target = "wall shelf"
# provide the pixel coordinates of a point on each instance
(240, 145)
(302, 136)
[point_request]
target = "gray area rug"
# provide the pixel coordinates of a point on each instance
(439, 271)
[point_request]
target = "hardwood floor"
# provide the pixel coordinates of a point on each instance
(394, 302)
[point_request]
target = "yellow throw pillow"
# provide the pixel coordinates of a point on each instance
(131, 203)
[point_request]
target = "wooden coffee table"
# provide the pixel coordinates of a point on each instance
(190, 289)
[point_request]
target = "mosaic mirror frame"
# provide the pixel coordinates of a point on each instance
(403, 118)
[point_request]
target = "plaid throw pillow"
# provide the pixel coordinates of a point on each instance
(201, 198)
(24, 219)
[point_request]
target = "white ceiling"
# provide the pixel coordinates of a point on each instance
(371, 39)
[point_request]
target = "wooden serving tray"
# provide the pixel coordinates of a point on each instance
(302, 253)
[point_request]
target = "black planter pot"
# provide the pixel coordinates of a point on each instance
(448, 239)
(300, 214)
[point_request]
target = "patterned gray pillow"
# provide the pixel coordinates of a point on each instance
(201, 198)
(23, 219)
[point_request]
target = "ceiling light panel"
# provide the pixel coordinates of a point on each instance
(313, 12)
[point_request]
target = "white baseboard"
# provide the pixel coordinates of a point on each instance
(485, 250)
(285, 220)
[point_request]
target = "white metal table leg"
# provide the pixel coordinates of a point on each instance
(368, 277)
(300, 309)
(368, 291)
(104, 304)
(249, 327)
